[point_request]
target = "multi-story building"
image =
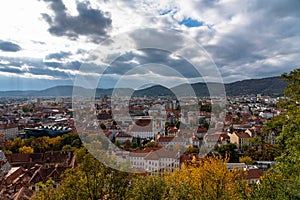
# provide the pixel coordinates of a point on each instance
(4, 164)
(155, 160)
(172, 141)
(240, 139)
(8, 132)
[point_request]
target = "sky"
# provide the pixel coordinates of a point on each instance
(122, 43)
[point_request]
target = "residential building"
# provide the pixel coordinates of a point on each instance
(122, 137)
(155, 160)
(4, 164)
(172, 141)
(240, 139)
(8, 132)
(254, 175)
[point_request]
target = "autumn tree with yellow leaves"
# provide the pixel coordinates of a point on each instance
(206, 179)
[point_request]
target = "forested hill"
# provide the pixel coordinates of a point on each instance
(272, 86)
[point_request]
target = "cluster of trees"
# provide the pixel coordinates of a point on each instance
(89, 180)
(262, 152)
(206, 179)
(283, 180)
(68, 141)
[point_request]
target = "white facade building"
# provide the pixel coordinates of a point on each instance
(155, 160)
(8, 132)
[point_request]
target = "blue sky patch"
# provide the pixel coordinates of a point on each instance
(189, 22)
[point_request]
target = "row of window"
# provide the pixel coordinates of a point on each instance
(155, 164)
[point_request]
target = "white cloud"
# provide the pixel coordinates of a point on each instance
(246, 39)
(27, 75)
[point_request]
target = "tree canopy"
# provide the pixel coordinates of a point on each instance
(283, 180)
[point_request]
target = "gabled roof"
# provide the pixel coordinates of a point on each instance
(137, 128)
(161, 153)
(143, 153)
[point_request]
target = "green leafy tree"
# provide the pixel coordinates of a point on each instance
(227, 150)
(152, 144)
(68, 147)
(117, 144)
(192, 150)
(15, 145)
(134, 145)
(127, 145)
(149, 187)
(246, 159)
(283, 180)
(26, 108)
(71, 139)
(44, 190)
(42, 144)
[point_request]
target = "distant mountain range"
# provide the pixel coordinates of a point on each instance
(272, 86)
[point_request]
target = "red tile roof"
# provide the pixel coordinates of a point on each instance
(254, 173)
(242, 135)
(165, 139)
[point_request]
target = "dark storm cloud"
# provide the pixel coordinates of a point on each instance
(235, 49)
(246, 39)
(38, 67)
(263, 41)
(131, 60)
(89, 22)
(9, 46)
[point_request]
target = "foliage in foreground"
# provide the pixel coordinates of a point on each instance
(89, 180)
(206, 179)
(283, 180)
